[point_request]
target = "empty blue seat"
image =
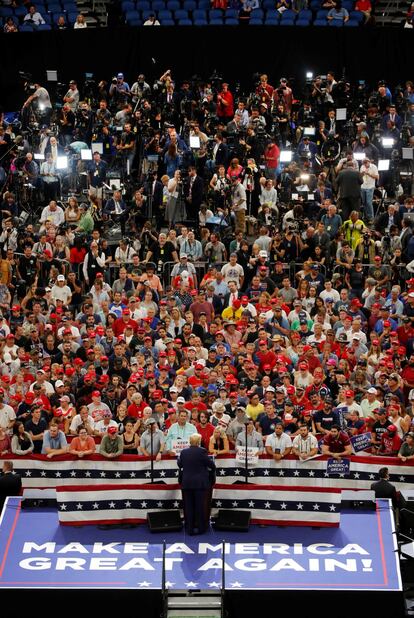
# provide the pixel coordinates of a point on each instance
(320, 22)
(215, 14)
(200, 21)
(348, 5)
(20, 11)
(272, 17)
(315, 5)
(322, 14)
(217, 21)
(231, 21)
(44, 27)
(70, 7)
(203, 4)
(143, 5)
(167, 22)
(231, 13)
(351, 23)
(127, 5)
(257, 14)
(185, 22)
(131, 15)
(146, 14)
(6, 11)
(54, 8)
(356, 16)
(336, 23)
(199, 14)
(72, 17)
(287, 16)
(135, 23)
(269, 4)
(158, 5)
(181, 14)
(26, 27)
(190, 5)
(164, 15)
(256, 21)
(305, 14)
(173, 5)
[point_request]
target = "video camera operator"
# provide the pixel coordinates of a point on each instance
(119, 91)
(84, 123)
(42, 104)
(140, 90)
(66, 121)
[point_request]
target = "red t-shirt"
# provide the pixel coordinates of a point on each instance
(390, 445)
(205, 432)
(119, 326)
(337, 444)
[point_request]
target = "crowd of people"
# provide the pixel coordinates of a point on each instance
(250, 299)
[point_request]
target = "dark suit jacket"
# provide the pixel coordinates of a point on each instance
(222, 154)
(196, 468)
(10, 485)
(384, 489)
(197, 192)
(109, 207)
(349, 183)
(382, 222)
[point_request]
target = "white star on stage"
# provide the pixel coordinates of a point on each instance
(342, 476)
(169, 584)
(79, 506)
(283, 506)
(213, 585)
(266, 472)
(88, 474)
(133, 475)
(176, 504)
(63, 507)
(127, 504)
(191, 584)
(58, 475)
(371, 477)
(237, 472)
(112, 505)
(117, 475)
(235, 503)
(251, 472)
(402, 478)
(326, 475)
(356, 475)
(103, 474)
(311, 473)
(159, 504)
(147, 474)
(218, 503)
(267, 505)
(251, 504)
(332, 507)
(144, 584)
(316, 507)
(143, 505)
(176, 473)
(281, 473)
(43, 473)
(162, 473)
(299, 506)
(73, 473)
(95, 505)
(222, 472)
(296, 473)
(28, 473)
(236, 585)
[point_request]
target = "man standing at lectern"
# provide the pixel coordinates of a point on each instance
(196, 476)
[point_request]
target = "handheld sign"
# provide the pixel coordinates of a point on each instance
(337, 467)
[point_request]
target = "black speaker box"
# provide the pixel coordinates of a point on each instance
(164, 521)
(232, 520)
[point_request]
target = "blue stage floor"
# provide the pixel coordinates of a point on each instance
(36, 552)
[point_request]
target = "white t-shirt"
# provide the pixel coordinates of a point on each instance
(7, 414)
(278, 442)
(232, 273)
(367, 181)
(61, 293)
(77, 420)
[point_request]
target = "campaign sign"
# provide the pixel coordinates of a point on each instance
(179, 445)
(252, 455)
(36, 552)
(361, 441)
(339, 467)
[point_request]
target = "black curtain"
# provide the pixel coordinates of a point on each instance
(235, 52)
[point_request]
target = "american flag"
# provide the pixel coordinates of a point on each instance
(39, 473)
(109, 504)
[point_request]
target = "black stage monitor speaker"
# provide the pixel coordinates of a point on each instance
(161, 521)
(233, 520)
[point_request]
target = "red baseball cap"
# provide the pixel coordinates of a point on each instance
(262, 342)
(303, 365)
(96, 394)
(387, 323)
(244, 299)
(267, 367)
(349, 393)
(126, 311)
(112, 429)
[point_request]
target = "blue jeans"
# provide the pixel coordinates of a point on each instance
(366, 199)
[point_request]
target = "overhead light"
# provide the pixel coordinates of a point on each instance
(285, 156)
(383, 165)
(387, 142)
(61, 163)
(309, 75)
(359, 156)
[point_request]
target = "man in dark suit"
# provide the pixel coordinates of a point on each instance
(383, 488)
(196, 477)
(406, 233)
(10, 483)
(194, 193)
(116, 209)
(349, 183)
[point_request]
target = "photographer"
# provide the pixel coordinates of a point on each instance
(84, 123)
(119, 91)
(50, 178)
(8, 237)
